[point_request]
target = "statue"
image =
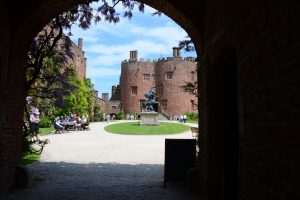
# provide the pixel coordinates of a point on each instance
(150, 103)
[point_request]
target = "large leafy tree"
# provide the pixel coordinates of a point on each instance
(47, 76)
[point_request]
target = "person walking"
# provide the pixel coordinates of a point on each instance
(184, 118)
(181, 118)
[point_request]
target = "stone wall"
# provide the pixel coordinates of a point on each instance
(257, 42)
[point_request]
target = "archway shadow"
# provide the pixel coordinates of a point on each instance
(63, 181)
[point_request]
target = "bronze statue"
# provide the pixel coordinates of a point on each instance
(150, 105)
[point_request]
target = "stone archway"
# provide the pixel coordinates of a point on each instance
(265, 36)
(21, 28)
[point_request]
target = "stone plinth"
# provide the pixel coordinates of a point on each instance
(149, 118)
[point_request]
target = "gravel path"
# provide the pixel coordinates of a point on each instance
(96, 165)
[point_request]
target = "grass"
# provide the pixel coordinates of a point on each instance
(46, 131)
(192, 121)
(133, 128)
(30, 158)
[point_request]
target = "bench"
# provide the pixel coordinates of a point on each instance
(195, 132)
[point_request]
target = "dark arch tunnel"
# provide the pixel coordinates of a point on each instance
(249, 97)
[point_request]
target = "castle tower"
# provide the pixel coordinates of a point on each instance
(137, 77)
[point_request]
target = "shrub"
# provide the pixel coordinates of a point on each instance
(191, 116)
(45, 122)
(120, 115)
(98, 117)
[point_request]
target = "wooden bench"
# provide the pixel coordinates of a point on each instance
(194, 131)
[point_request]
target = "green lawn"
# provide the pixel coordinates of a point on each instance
(46, 131)
(30, 158)
(133, 128)
(192, 121)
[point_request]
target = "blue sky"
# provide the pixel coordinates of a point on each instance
(107, 45)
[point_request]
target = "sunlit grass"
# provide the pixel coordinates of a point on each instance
(133, 128)
(46, 131)
(30, 158)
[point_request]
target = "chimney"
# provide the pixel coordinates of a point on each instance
(113, 90)
(80, 43)
(96, 93)
(133, 55)
(176, 52)
(105, 96)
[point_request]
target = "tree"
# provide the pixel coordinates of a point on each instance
(45, 73)
(189, 87)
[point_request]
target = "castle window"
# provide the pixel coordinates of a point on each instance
(169, 75)
(114, 108)
(192, 75)
(193, 105)
(146, 77)
(133, 90)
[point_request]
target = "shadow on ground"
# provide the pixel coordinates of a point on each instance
(98, 181)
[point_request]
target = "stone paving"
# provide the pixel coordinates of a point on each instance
(96, 165)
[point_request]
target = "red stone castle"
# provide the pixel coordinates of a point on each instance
(167, 75)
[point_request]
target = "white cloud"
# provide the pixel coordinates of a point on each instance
(167, 34)
(108, 55)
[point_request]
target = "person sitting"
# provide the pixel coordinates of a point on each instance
(85, 123)
(58, 127)
(78, 124)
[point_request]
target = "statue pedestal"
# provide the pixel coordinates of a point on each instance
(149, 119)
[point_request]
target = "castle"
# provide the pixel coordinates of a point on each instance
(167, 75)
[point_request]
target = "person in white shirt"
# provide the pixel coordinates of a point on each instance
(34, 121)
(184, 118)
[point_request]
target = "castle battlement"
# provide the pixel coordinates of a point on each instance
(142, 60)
(176, 56)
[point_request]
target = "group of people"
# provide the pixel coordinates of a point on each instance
(71, 122)
(181, 118)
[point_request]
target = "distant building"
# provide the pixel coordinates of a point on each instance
(167, 75)
(77, 58)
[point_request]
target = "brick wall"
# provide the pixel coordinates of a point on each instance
(178, 101)
(264, 37)
(132, 75)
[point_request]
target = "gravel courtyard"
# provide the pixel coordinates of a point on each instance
(96, 165)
